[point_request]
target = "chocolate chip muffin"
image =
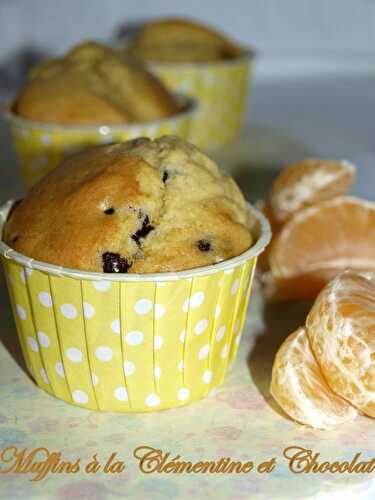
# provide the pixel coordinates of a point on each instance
(141, 206)
(176, 40)
(92, 85)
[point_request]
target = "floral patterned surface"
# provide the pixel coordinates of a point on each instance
(238, 420)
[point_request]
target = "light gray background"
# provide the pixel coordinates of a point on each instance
(314, 91)
(292, 36)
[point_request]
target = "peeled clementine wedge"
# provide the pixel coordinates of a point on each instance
(319, 242)
(309, 182)
(300, 389)
(341, 330)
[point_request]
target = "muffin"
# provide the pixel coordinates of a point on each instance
(141, 206)
(90, 97)
(174, 40)
(198, 60)
(113, 340)
(91, 85)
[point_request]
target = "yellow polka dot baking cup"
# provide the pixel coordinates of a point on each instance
(40, 147)
(221, 89)
(130, 343)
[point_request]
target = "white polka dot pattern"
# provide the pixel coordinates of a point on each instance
(116, 326)
(44, 376)
(121, 393)
(21, 312)
(182, 336)
(74, 355)
(45, 299)
(201, 326)
(134, 338)
(143, 306)
(33, 344)
(60, 369)
(159, 311)
(104, 353)
(129, 368)
(203, 351)
(102, 286)
(183, 394)
(69, 311)
(88, 310)
(235, 286)
(152, 400)
(207, 376)
(220, 333)
(225, 351)
(177, 339)
(80, 397)
(158, 342)
(44, 340)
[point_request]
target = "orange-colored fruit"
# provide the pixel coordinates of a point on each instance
(263, 259)
(341, 330)
(300, 389)
(319, 242)
(309, 182)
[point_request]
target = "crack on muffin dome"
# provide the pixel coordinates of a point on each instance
(144, 230)
(114, 263)
(204, 245)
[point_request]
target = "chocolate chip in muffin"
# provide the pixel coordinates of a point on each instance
(204, 245)
(165, 176)
(109, 211)
(114, 263)
(14, 239)
(144, 231)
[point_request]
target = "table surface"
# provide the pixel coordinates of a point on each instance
(239, 420)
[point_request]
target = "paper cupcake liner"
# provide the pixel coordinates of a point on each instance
(130, 343)
(40, 147)
(221, 89)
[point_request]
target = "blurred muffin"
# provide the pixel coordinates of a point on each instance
(139, 207)
(180, 40)
(91, 85)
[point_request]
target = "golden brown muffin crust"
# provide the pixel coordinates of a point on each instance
(181, 40)
(141, 206)
(92, 85)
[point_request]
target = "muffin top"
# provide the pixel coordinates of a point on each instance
(175, 40)
(141, 206)
(92, 85)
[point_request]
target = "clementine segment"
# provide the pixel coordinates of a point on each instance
(300, 388)
(321, 241)
(341, 330)
(309, 182)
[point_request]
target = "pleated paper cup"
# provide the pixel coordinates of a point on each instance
(127, 342)
(222, 90)
(40, 147)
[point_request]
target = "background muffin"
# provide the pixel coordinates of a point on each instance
(197, 60)
(181, 40)
(92, 85)
(139, 207)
